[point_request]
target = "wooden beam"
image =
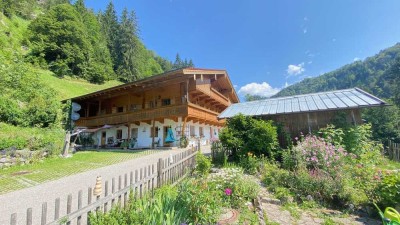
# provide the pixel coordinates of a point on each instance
(147, 121)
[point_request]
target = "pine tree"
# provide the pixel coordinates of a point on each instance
(178, 62)
(190, 64)
(99, 66)
(110, 28)
(128, 44)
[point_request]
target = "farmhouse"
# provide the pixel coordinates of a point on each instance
(310, 112)
(158, 110)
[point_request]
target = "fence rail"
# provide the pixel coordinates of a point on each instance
(393, 151)
(168, 171)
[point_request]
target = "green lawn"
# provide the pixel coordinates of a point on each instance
(24, 176)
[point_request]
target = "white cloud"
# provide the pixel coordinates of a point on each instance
(356, 59)
(263, 89)
(305, 18)
(334, 40)
(294, 70)
(286, 84)
(309, 62)
(235, 86)
(304, 30)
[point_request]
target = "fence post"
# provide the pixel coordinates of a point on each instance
(44, 213)
(57, 209)
(159, 172)
(78, 220)
(13, 220)
(29, 216)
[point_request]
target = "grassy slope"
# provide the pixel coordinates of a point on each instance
(70, 87)
(12, 34)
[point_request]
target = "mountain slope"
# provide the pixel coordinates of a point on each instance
(370, 75)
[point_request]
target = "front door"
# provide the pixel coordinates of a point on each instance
(103, 138)
(134, 133)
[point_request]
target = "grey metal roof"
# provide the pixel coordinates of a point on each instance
(322, 101)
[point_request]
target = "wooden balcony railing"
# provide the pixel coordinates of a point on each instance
(202, 114)
(212, 93)
(140, 115)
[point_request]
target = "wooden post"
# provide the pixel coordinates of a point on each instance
(159, 172)
(78, 220)
(13, 219)
(57, 209)
(89, 201)
(29, 216)
(44, 213)
(153, 132)
(105, 195)
(69, 205)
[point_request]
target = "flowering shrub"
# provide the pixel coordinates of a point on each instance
(316, 153)
(234, 187)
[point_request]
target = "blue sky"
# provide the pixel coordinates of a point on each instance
(265, 45)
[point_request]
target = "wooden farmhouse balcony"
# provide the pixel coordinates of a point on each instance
(199, 114)
(143, 115)
(205, 90)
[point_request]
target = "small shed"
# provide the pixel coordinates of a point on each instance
(309, 112)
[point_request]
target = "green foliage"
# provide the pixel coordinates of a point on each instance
(250, 163)
(71, 43)
(179, 63)
(388, 190)
(244, 134)
(49, 139)
(203, 164)
(25, 100)
(219, 154)
(234, 187)
(385, 123)
(370, 75)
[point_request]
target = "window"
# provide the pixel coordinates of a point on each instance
(151, 104)
(166, 101)
(119, 134)
(201, 133)
(120, 109)
(152, 133)
(192, 131)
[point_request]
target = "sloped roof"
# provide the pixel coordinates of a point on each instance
(322, 101)
(164, 77)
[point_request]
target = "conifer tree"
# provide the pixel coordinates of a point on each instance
(110, 27)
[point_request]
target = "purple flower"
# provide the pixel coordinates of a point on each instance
(228, 191)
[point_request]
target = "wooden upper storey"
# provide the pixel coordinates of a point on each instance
(198, 94)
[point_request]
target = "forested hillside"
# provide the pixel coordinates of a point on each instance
(375, 75)
(379, 75)
(52, 50)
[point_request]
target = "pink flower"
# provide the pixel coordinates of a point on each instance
(228, 191)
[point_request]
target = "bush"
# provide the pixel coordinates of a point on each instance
(219, 154)
(250, 163)
(244, 134)
(44, 139)
(203, 164)
(234, 187)
(316, 153)
(388, 190)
